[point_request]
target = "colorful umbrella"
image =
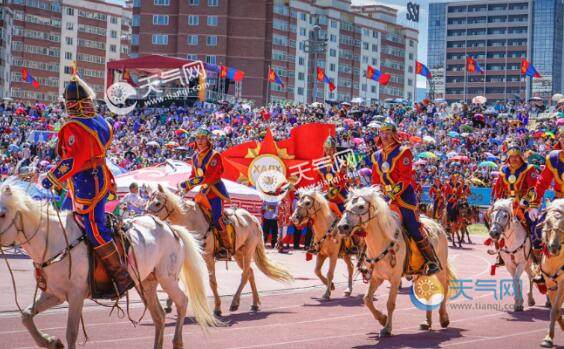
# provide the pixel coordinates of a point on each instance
(451, 154)
(477, 181)
(429, 139)
(358, 141)
(453, 134)
(549, 134)
(466, 128)
(180, 132)
(460, 158)
(489, 164)
(479, 100)
(492, 158)
(426, 155)
(420, 162)
(560, 122)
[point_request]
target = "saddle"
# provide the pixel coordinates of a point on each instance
(226, 221)
(414, 261)
(101, 285)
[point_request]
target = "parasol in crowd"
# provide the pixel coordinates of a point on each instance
(426, 155)
(479, 100)
(429, 139)
(489, 164)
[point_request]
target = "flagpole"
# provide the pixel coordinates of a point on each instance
(268, 86)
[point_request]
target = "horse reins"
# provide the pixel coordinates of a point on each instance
(521, 246)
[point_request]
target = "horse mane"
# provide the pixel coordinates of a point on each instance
(504, 203)
(175, 201)
(317, 195)
(387, 221)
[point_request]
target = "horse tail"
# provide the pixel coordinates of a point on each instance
(192, 275)
(273, 270)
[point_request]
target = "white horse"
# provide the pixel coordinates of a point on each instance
(249, 243)
(552, 266)
(367, 209)
(517, 250)
(312, 206)
(159, 258)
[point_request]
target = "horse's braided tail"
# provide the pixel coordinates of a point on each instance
(193, 273)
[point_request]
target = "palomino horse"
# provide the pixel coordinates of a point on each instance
(157, 258)
(517, 250)
(248, 243)
(313, 206)
(367, 210)
(552, 265)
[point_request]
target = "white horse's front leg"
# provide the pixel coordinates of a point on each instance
(73, 320)
(330, 274)
(44, 302)
(530, 297)
(518, 306)
(210, 263)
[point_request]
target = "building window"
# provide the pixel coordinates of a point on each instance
(192, 56)
(301, 76)
(332, 67)
(70, 26)
(113, 20)
(409, 82)
(70, 11)
(136, 3)
(160, 39)
(136, 20)
(374, 61)
(333, 38)
(193, 40)
(374, 48)
(410, 69)
(333, 52)
(193, 20)
(333, 24)
(301, 61)
(212, 21)
(411, 56)
(303, 16)
(68, 55)
(211, 59)
(69, 41)
(68, 70)
(373, 89)
(300, 91)
(135, 39)
(194, 2)
(162, 2)
(302, 31)
(113, 34)
(160, 20)
(113, 48)
(211, 40)
(213, 3)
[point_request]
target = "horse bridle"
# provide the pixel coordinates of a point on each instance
(495, 212)
(164, 206)
(21, 229)
(313, 202)
(361, 223)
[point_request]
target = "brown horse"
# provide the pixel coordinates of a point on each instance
(312, 206)
(248, 243)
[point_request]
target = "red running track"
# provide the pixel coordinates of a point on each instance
(295, 317)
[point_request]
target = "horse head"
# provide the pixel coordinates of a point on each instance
(500, 218)
(160, 203)
(553, 227)
(310, 203)
(17, 210)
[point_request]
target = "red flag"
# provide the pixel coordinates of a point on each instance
(222, 71)
(27, 77)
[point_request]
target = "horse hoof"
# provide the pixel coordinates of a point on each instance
(168, 310)
(233, 307)
(547, 304)
(326, 297)
(519, 308)
(547, 343)
(56, 343)
(332, 287)
(444, 324)
(531, 303)
(217, 313)
(254, 307)
(347, 293)
(424, 326)
(385, 333)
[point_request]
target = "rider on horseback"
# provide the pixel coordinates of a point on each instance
(452, 192)
(553, 171)
(436, 193)
(393, 172)
(207, 169)
(334, 175)
(516, 180)
(82, 144)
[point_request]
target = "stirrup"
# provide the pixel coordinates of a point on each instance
(223, 254)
